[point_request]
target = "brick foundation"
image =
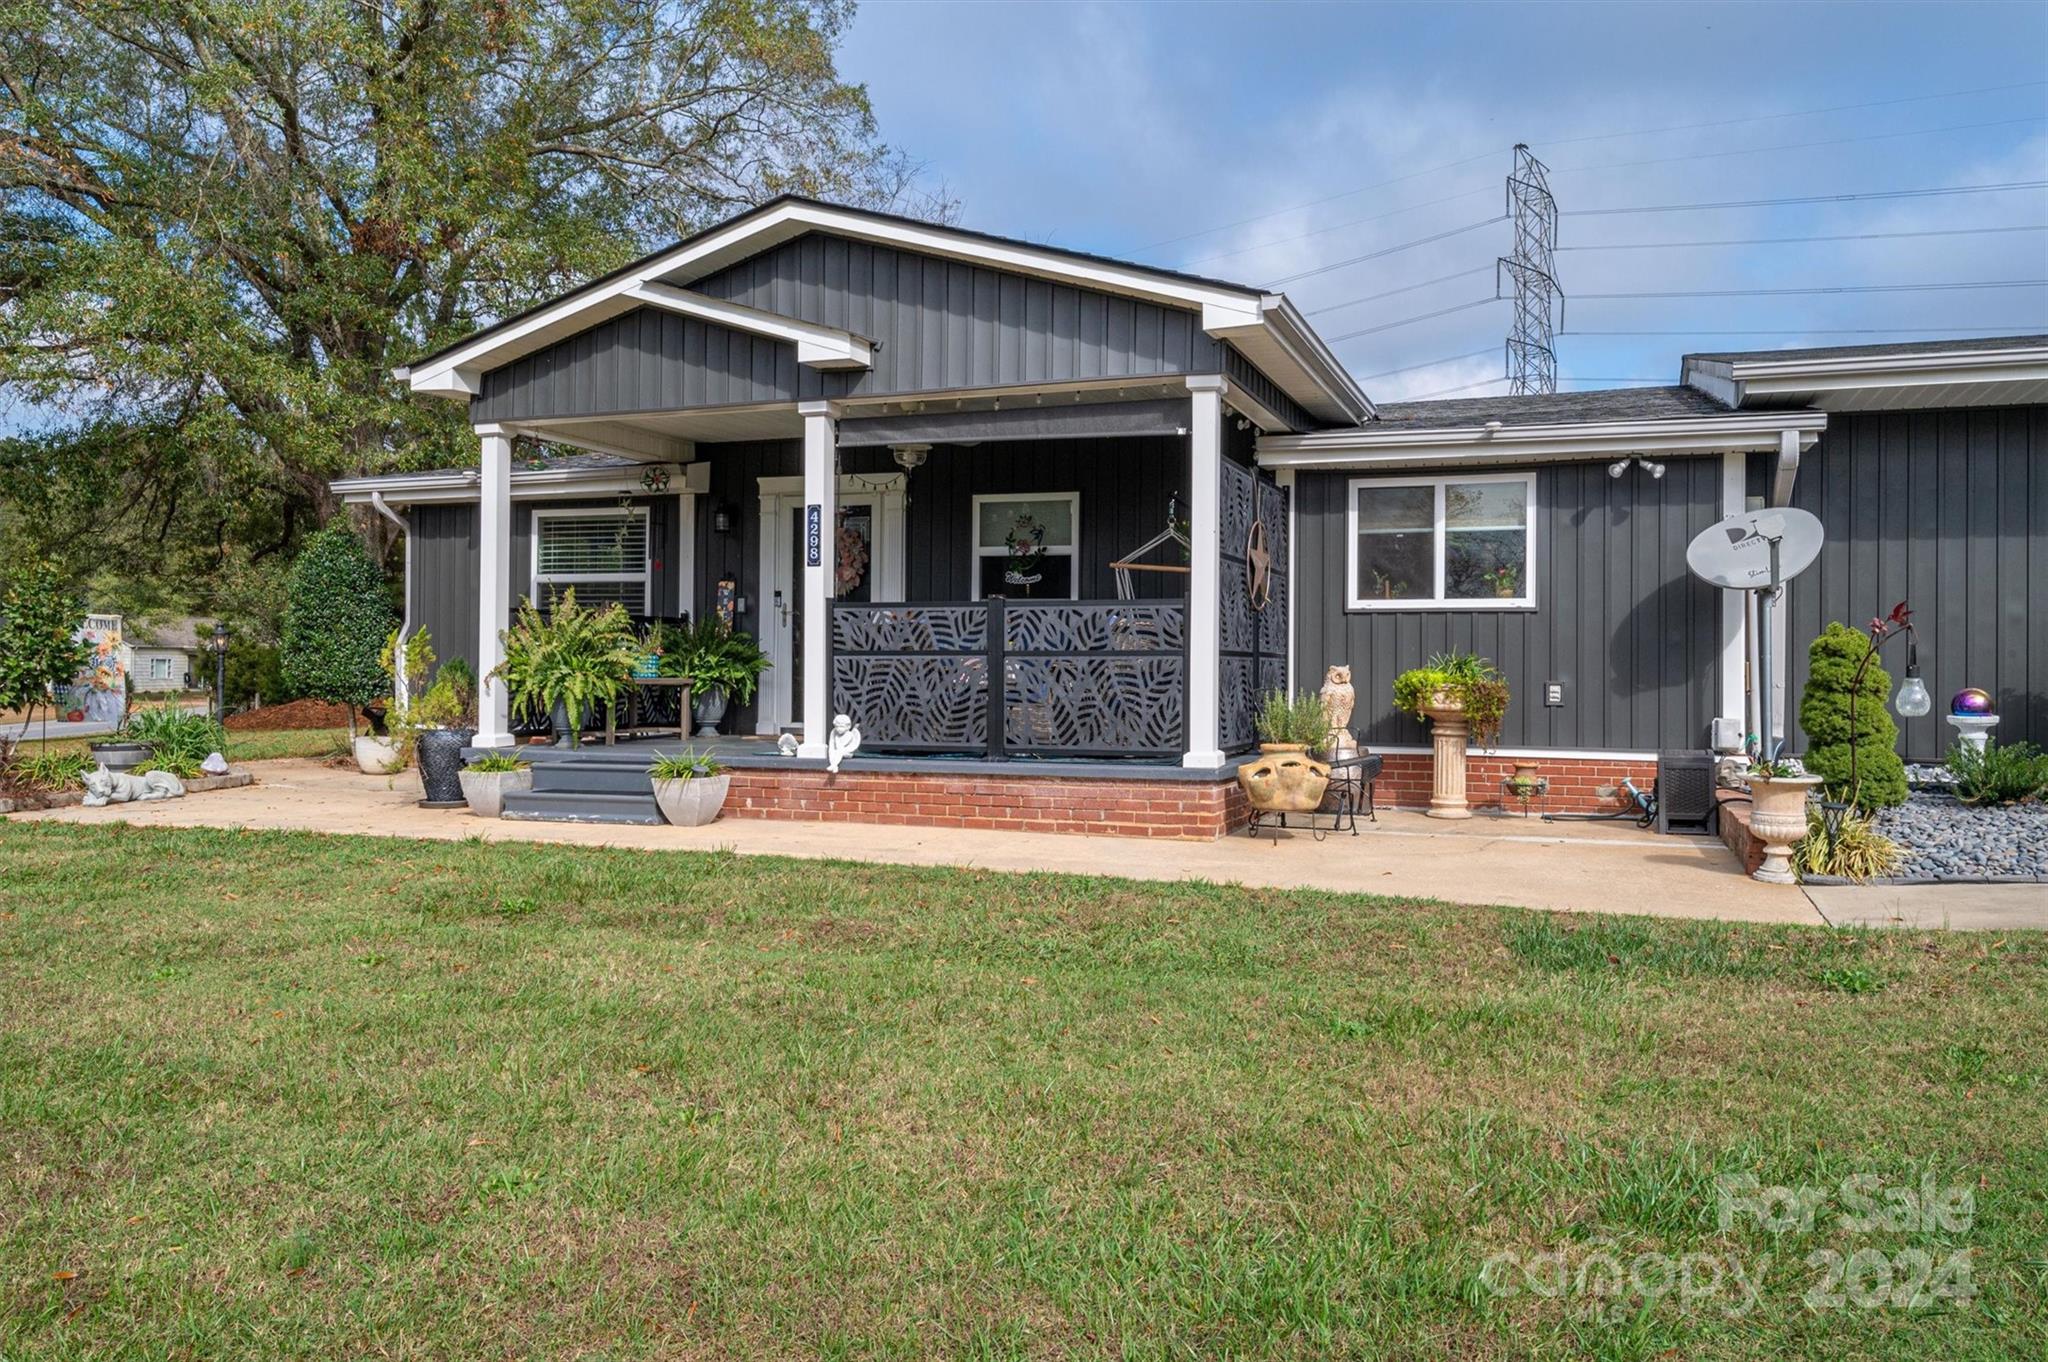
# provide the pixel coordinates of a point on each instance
(1575, 782)
(1189, 810)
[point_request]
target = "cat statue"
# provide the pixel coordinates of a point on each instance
(108, 787)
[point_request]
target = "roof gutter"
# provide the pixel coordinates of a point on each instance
(1479, 444)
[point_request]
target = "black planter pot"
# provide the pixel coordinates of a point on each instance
(439, 753)
(120, 756)
(558, 719)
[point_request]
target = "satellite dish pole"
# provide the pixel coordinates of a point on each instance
(1772, 528)
(1758, 551)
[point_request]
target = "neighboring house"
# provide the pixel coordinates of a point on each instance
(807, 376)
(165, 655)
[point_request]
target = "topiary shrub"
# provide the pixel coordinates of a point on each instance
(336, 619)
(1880, 777)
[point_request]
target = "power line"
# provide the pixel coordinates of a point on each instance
(1462, 387)
(1407, 321)
(1782, 240)
(1813, 198)
(1340, 226)
(1389, 250)
(2029, 328)
(1427, 364)
(1799, 146)
(1405, 288)
(1845, 288)
(1600, 137)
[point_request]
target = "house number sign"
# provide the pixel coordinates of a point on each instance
(814, 535)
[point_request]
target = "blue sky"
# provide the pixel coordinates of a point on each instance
(1148, 130)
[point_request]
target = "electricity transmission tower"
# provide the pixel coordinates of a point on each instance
(1539, 302)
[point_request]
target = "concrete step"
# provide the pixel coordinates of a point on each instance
(576, 777)
(558, 807)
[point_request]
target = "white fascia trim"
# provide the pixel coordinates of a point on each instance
(528, 484)
(1808, 374)
(1475, 445)
(820, 347)
(1310, 350)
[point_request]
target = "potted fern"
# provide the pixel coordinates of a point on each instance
(568, 662)
(722, 664)
(690, 787)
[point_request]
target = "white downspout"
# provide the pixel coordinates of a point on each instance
(398, 679)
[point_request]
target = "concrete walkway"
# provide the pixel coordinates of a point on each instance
(1591, 867)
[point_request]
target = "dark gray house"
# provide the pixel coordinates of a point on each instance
(911, 459)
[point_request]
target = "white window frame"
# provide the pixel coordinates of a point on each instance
(1072, 551)
(1435, 600)
(535, 579)
(167, 674)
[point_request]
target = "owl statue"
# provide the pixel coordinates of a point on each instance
(1339, 698)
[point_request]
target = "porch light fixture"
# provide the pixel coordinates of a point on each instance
(721, 518)
(218, 646)
(1620, 466)
(910, 458)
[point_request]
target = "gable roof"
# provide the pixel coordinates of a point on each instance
(1266, 327)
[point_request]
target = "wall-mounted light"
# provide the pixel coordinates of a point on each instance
(721, 518)
(1620, 466)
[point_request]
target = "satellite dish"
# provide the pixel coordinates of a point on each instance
(1736, 552)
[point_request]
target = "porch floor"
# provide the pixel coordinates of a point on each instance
(1489, 860)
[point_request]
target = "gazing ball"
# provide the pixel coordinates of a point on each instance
(1971, 701)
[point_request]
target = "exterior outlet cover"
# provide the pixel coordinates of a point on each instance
(1553, 693)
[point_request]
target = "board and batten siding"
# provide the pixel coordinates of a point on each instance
(1948, 511)
(442, 540)
(939, 325)
(1633, 637)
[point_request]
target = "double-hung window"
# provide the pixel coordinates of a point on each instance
(1024, 545)
(1443, 543)
(601, 552)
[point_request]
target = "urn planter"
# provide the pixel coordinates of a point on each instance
(1284, 779)
(709, 711)
(1448, 734)
(485, 790)
(120, 756)
(1778, 816)
(376, 756)
(694, 802)
(440, 757)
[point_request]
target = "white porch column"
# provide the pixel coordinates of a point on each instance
(1205, 570)
(820, 550)
(494, 584)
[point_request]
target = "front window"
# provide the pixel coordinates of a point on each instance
(159, 669)
(601, 553)
(1462, 543)
(1024, 545)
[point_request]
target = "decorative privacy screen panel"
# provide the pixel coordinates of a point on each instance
(1084, 678)
(1252, 640)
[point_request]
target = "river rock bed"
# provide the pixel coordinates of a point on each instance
(1945, 839)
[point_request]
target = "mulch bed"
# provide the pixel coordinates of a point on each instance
(292, 714)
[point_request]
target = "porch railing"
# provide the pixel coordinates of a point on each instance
(1078, 678)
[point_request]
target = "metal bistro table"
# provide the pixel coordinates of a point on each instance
(1351, 779)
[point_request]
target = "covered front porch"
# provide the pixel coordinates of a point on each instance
(876, 557)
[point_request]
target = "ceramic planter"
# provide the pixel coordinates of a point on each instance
(1778, 816)
(558, 717)
(692, 803)
(120, 756)
(485, 790)
(1284, 779)
(440, 757)
(376, 756)
(709, 711)
(1448, 733)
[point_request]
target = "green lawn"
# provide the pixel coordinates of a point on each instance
(272, 1094)
(290, 742)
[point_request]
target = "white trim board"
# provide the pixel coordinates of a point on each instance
(527, 484)
(1454, 445)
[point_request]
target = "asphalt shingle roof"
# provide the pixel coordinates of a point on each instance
(1550, 409)
(1919, 347)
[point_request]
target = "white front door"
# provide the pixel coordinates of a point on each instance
(870, 540)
